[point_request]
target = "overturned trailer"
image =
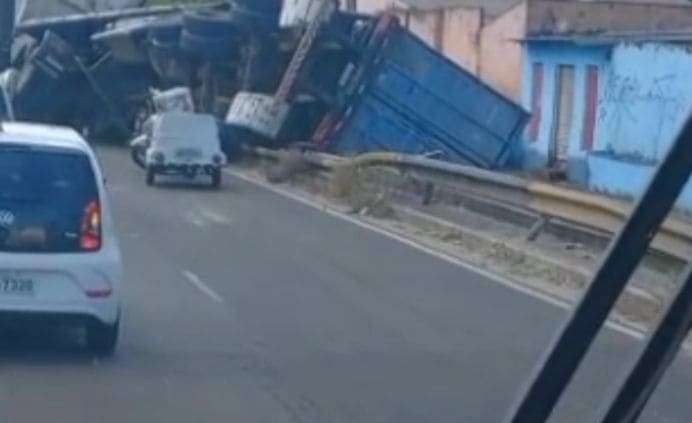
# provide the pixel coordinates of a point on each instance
(378, 87)
(403, 96)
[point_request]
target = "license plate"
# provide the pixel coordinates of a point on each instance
(188, 154)
(16, 285)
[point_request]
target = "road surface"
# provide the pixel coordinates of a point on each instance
(245, 306)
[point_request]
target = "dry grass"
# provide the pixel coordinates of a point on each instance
(344, 181)
(353, 184)
(289, 164)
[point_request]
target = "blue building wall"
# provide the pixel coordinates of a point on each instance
(644, 95)
(551, 56)
(609, 174)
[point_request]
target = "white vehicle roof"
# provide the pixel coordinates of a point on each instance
(181, 125)
(42, 136)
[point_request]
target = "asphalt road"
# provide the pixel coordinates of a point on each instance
(245, 306)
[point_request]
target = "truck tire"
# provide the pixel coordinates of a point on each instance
(102, 339)
(209, 24)
(210, 48)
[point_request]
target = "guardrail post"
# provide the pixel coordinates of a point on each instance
(567, 350)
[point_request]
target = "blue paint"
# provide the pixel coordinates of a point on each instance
(644, 95)
(611, 175)
(412, 99)
(647, 90)
(553, 55)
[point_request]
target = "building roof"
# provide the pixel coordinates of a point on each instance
(614, 37)
(491, 7)
(654, 2)
(495, 8)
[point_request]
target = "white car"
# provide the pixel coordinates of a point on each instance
(59, 257)
(182, 143)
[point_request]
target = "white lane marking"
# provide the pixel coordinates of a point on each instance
(215, 217)
(201, 217)
(206, 290)
(193, 219)
(534, 293)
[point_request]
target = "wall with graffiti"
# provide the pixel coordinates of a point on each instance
(646, 94)
(643, 94)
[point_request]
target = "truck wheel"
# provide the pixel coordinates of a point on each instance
(102, 339)
(151, 176)
(216, 178)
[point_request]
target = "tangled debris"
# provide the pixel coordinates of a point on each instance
(271, 74)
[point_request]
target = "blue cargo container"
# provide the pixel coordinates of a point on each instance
(406, 97)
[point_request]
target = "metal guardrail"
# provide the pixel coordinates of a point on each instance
(590, 210)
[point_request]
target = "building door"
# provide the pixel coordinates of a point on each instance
(562, 120)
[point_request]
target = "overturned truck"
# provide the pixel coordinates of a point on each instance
(358, 84)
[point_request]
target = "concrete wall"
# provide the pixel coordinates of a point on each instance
(647, 91)
(461, 37)
(426, 25)
(486, 49)
(453, 31)
(616, 176)
(501, 54)
(552, 55)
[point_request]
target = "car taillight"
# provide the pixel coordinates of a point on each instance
(99, 293)
(90, 228)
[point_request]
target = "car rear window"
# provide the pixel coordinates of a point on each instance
(43, 197)
(187, 126)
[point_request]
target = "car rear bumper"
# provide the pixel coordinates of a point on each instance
(34, 319)
(106, 311)
(187, 169)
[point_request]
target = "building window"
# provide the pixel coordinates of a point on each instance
(590, 107)
(536, 101)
